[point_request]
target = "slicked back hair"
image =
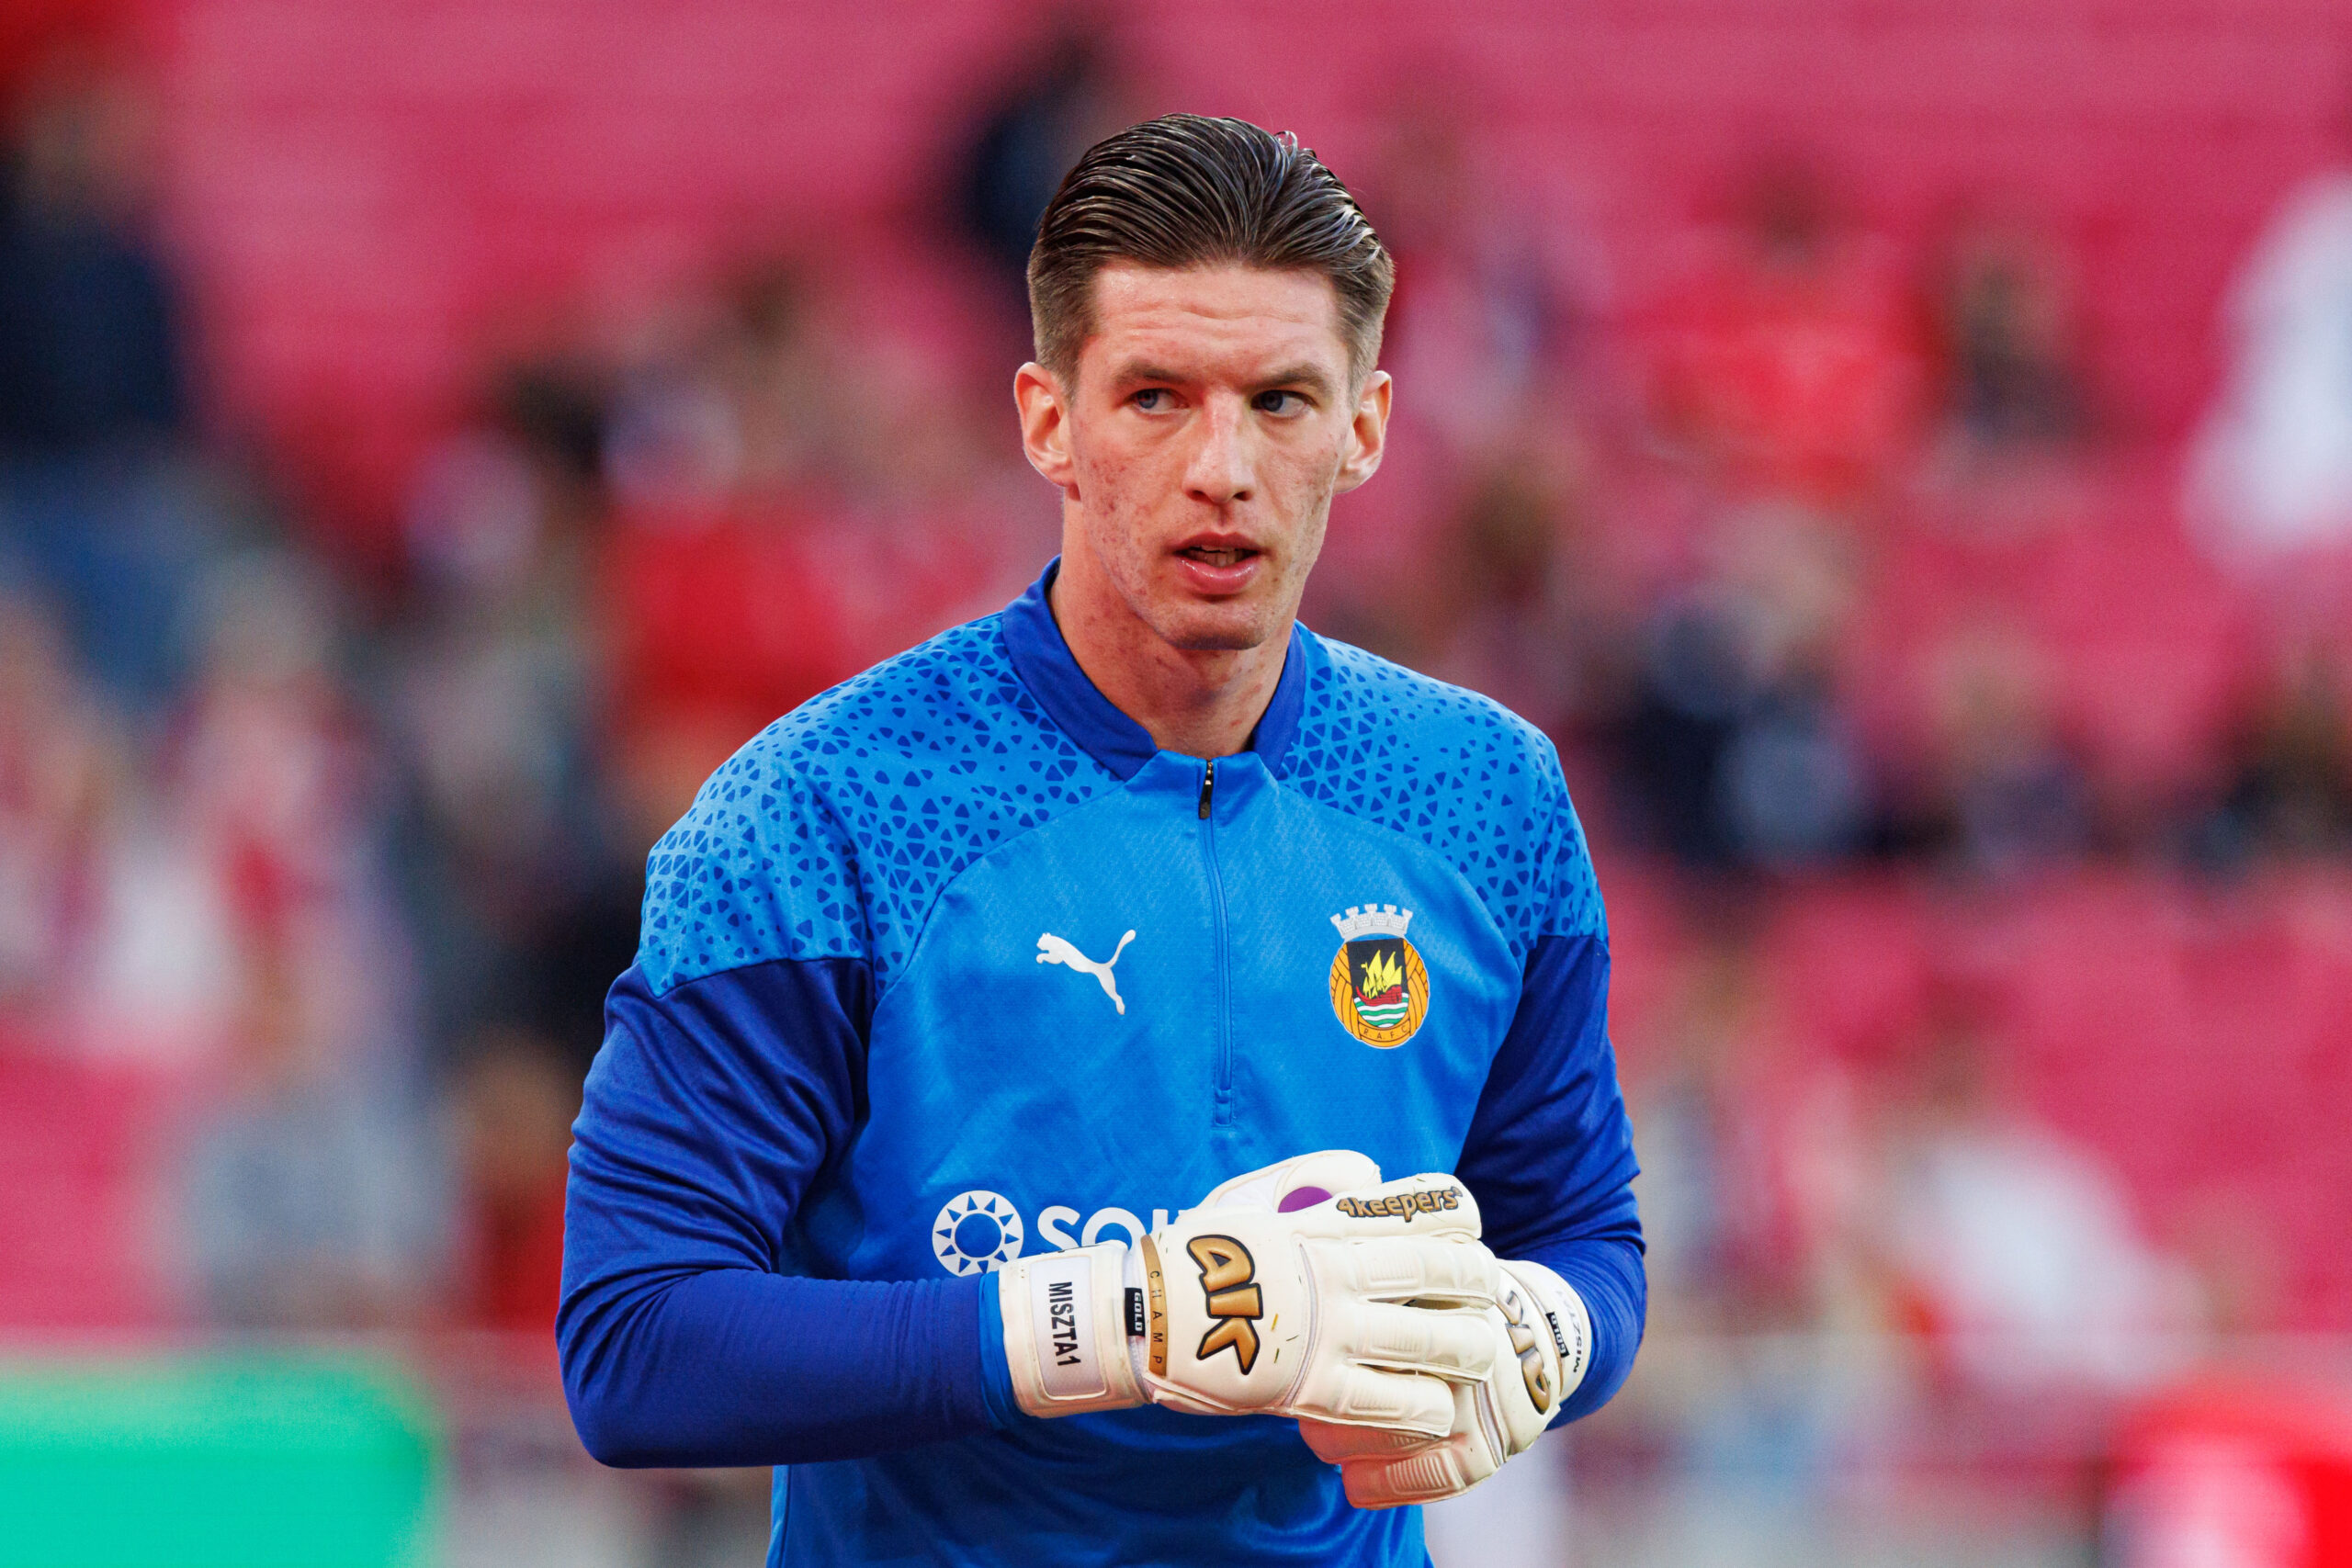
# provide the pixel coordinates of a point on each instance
(1186, 190)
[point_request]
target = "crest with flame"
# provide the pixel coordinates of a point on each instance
(1380, 989)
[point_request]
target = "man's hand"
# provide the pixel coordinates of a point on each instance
(1543, 1341)
(1309, 1289)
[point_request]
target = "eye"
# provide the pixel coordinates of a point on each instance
(1152, 399)
(1279, 402)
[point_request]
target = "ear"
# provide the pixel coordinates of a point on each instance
(1045, 426)
(1367, 434)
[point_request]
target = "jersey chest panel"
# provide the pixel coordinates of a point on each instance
(1039, 1078)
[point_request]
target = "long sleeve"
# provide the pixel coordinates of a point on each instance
(709, 1112)
(1550, 1157)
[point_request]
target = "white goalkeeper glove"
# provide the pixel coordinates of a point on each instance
(1308, 1288)
(1542, 1339)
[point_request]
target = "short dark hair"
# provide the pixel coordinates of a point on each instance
(1186, 190)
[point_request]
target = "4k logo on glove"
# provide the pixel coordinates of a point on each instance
(1228, 1276)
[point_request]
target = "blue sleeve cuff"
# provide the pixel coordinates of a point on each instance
(996, 1372)
(1607, 1276)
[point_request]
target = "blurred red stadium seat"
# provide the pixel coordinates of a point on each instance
(482, 152)
(77, 1224)
(1855, 962)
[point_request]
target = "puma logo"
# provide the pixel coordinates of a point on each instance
(1052, 949)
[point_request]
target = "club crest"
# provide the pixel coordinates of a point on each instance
(1380, 989)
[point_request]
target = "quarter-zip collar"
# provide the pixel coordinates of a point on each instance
(1046, 665)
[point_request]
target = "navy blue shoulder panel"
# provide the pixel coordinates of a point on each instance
(1453, 771)
(832, 832)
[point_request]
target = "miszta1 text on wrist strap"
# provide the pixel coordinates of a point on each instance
(1067, 1320)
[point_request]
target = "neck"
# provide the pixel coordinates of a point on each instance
(1198, 702)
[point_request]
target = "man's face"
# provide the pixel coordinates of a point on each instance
(1213, 420)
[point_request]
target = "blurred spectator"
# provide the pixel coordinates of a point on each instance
(1520, 606)
(2005, 332)
(244, 883)
(671, 436)
(311, 1198)
(2271, 473)
(1756, 1170)
(2006, 796)
(2289, 793)
(1487, 336)
(757, 390)
(516, 1095)
(1688, 1106)
(61, 776)
(722, 619)
(496, 497)
(1787, 367)
(1791, 783)
(797, 489)
(1488, 314)
(771, 366)
(511, 859)
(100, 504)
(1028, 138)
(780, 388)
(2018, 1248)
(1692, 686)
(273, 783)
(1736, 752)
(89, 349)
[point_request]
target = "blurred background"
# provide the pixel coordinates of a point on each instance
(1900, 449)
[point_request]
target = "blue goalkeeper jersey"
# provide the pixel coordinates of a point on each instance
(952, 965)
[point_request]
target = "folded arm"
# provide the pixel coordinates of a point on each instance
(701, 1131)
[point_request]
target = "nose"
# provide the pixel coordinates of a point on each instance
(1222, 469)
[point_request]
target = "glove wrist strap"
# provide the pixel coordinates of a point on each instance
(1567, 1322)
(1065, 1331)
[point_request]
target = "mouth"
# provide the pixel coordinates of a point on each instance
(1216, 570)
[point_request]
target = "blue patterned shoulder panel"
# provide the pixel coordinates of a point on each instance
(1456, 772)
(833, 830)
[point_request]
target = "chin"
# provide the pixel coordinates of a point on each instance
(1218, 628)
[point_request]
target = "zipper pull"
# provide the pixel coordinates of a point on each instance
(1208, 786)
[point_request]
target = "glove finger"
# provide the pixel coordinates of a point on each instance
(1456, 1346)
(1430, 1205)
(1332, 1443)
(1297, 1182)
(1176, 1399)
(1441, 1270)
(1443, 1470)
(1398, 1401)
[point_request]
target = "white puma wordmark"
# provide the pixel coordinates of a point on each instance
(1052, 949)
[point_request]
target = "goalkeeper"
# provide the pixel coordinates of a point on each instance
(1125, 1082)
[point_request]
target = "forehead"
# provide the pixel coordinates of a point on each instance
(1213, 321)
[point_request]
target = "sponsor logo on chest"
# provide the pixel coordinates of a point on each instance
(979, 1232)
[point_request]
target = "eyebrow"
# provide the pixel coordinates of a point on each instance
(1301, 375)
(1131, 374)
(1304, 374)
